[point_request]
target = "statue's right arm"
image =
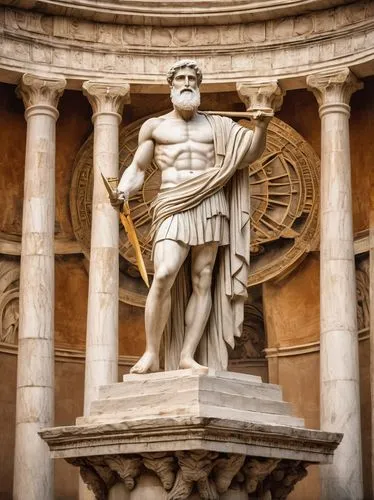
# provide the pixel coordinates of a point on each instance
(133, 177)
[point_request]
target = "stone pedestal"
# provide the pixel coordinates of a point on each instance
(189, 435)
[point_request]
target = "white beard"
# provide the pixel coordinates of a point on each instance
(185, 101)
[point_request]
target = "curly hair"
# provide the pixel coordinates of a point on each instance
(185, 63)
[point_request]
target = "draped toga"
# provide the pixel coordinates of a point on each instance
(229, 284)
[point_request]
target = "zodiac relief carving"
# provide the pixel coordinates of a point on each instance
(9, 301)
(362, 288)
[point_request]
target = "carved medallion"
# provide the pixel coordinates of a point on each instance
(284, 193)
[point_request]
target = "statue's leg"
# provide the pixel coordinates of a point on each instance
(200, 303)
(168, 257)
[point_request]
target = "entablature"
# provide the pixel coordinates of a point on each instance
(287, 49)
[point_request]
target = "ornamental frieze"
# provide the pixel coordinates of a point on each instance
(81, 49)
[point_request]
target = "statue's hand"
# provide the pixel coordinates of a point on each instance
(119, 198)
(262, 119)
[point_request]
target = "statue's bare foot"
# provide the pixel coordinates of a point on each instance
(147, 363)
(188, 362)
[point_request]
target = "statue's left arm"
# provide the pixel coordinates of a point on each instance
(258, 143)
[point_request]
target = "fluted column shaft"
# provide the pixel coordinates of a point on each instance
(339, 383)
(107, 101)
(33, 468)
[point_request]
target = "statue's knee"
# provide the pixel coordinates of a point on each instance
(202, 281)
(163, 280)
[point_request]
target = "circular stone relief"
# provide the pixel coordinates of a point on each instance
(284, 206)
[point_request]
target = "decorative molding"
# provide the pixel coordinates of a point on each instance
(140, 55)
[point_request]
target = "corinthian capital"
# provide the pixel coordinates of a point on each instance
(266, 97)
(333, 87)
(36, 90)
(107, 97)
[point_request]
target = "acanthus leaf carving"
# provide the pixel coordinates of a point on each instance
(163, 465)
(194, 468)
(39, 90)
(225, 469)
(106, 97)
(127, 468)
(90, 477)
(255, 471)
(333, 87)
(284, 478)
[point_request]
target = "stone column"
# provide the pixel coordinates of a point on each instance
(33, 468)
(107, 101)
(339, 383)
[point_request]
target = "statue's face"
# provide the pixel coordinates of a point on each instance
(185, 94)
(185, 80)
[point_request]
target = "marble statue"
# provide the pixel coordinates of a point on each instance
(200, 226)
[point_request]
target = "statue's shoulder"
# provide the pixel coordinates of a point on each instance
(149, 126)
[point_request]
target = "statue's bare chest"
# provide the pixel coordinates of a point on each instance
(173, 132)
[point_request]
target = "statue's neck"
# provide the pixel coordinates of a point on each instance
(185, 114)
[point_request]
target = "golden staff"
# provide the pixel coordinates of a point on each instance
(125, 216)
(257, 113)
